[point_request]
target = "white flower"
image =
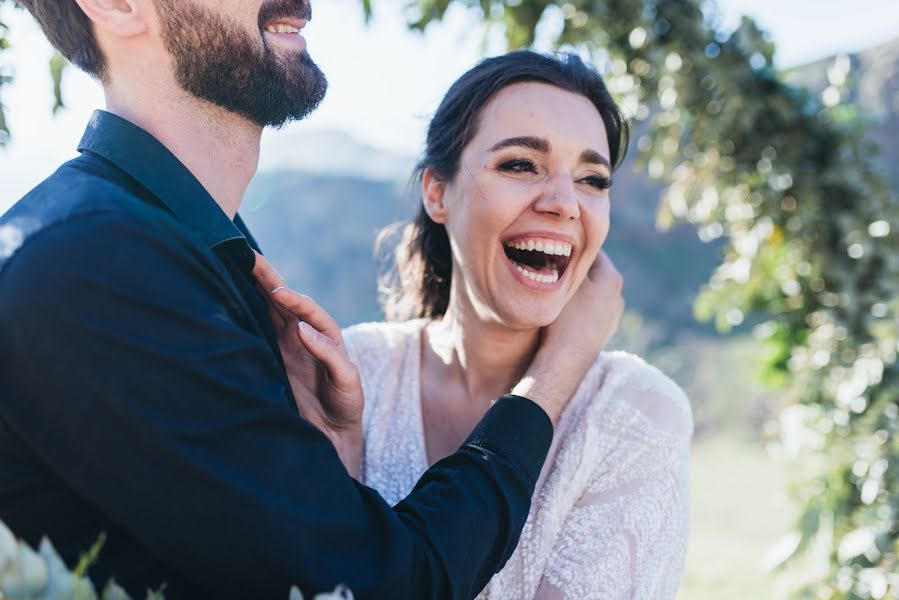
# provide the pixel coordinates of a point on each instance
(8, 546)
(25, 576)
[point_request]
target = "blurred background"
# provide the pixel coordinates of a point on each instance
(754, 222)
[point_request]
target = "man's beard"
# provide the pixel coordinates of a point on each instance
(217, 60)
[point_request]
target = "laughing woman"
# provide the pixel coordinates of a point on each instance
(516, 182)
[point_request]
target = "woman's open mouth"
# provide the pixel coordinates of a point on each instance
(539, 259)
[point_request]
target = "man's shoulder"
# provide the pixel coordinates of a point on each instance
(73, 237)
(76, 187)
(74, 212)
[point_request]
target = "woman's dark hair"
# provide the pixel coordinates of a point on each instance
(70, 32)
(420, 284)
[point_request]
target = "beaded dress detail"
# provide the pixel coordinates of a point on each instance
(609, 518)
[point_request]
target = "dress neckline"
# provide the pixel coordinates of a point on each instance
(413, 367)
(413, 363)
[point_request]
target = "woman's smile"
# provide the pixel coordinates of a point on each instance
(539, 260)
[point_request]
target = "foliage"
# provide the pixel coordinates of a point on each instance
(787, 181)
(4, 78)
(57, 66)
(42, 575)
(25, 573)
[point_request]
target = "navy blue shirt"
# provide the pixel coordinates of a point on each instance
(142, 394)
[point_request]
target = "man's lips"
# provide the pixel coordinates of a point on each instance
(288, 13)
(286, 25)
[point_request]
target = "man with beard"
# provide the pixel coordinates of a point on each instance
(142, 392)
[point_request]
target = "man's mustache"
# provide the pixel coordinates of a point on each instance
(273, 10)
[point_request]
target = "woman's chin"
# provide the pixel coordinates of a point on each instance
(524, 318)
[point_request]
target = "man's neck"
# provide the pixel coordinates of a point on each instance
(220, 148)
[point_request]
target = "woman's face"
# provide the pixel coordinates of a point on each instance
(528, 210)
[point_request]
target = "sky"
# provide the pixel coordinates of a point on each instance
(384, 80)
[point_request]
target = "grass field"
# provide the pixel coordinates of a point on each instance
(740, 508)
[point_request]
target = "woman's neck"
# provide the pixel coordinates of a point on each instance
(467, 362)
(487, 358)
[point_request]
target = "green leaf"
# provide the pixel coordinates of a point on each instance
(58, 64)
(90, 557)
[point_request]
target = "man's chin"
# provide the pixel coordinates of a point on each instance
(270, 83)
(290, 93)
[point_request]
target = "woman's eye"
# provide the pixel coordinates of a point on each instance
(518, 166)
(600, 183)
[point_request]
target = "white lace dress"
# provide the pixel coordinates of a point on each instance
(609, 517)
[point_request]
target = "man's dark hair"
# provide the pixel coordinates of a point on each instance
(70, 32)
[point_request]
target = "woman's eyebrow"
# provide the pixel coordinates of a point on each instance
(541, 145)
(532, 142)
(593, 157)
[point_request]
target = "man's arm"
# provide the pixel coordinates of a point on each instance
(134, 382)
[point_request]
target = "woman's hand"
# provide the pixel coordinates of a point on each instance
(325, 383)
(570, 345)
(591, 317)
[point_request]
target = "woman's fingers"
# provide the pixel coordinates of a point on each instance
(598, 265)
(290, 304)
(276, 314)
(268, 280)
(605, 274)
(305, 309)
(266, 275)
(343, 373)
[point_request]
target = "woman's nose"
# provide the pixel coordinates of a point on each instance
(560, 199)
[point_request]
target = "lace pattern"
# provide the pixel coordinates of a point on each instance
(610, 514)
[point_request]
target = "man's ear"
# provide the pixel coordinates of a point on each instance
(122, 18)
(433, 189)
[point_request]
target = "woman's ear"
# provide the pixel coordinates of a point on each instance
(433, 189)
(121, 18)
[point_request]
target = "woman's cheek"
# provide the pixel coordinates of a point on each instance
(596, 224)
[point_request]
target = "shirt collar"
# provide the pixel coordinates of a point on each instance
(151, 164)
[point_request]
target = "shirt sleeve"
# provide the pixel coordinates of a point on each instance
(137, 381)
(626, 537)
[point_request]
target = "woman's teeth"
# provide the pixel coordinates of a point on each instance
(545, 246)
(281, 28)
(552, 277)
(539, 259)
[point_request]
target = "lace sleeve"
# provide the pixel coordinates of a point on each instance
(627, 535)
